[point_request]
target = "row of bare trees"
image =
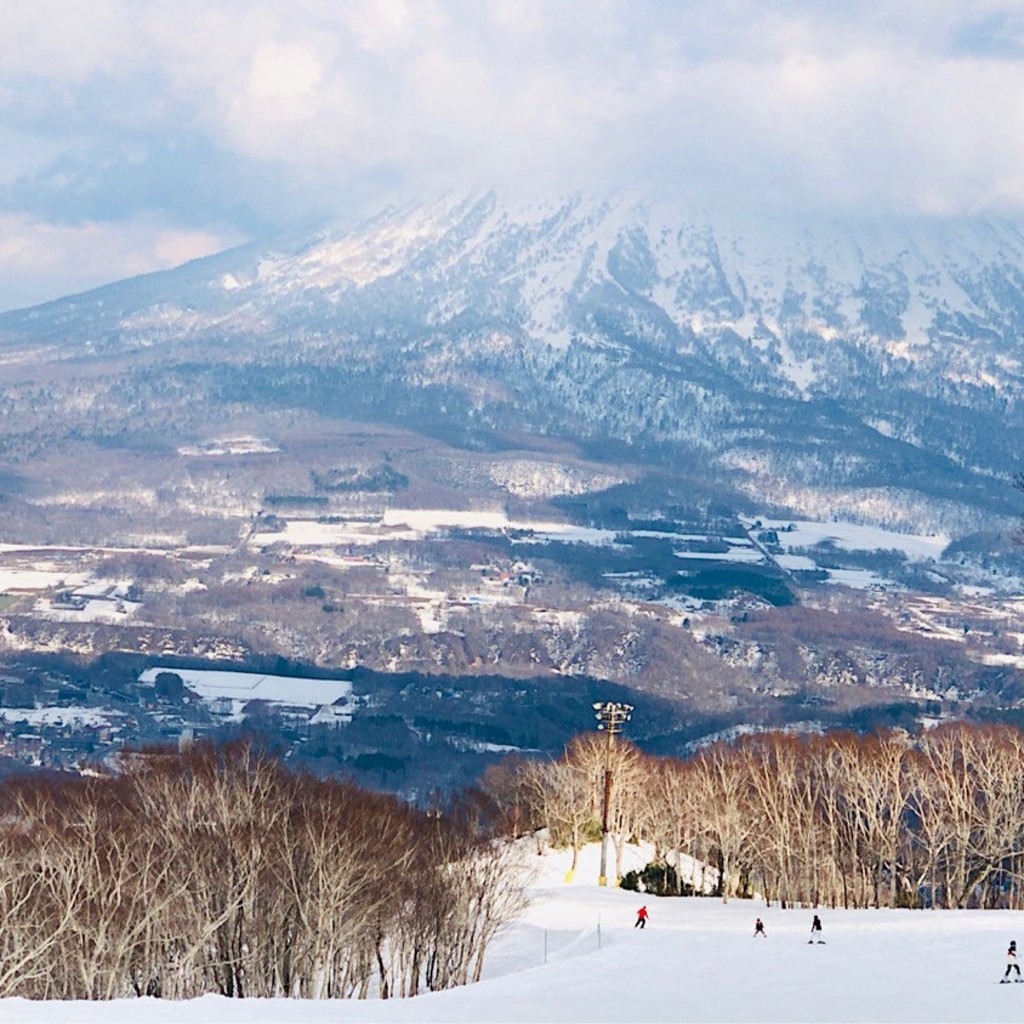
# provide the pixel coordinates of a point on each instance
(217, 870)
(840, 819)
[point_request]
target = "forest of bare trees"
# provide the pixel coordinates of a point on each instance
(885, 820)
(217, 870)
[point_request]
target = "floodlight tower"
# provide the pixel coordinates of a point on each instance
(610, 718)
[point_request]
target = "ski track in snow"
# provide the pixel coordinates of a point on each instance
(697, 960)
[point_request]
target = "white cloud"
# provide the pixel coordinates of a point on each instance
(66, 41)
(40, 261)
(384, 27)
(283, 75)
(326, 107)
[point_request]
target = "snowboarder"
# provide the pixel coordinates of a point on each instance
(759, 928)
(1011, 964)
(816, 931)
(641, 918)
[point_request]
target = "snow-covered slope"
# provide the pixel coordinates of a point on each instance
(575, 956)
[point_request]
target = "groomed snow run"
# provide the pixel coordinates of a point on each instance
(697, 960)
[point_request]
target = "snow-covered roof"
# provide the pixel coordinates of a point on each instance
(245, 686)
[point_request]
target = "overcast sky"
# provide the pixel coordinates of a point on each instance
(136, 134)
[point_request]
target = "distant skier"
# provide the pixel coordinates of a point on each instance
(816, 931)
(641, 918)
(759, 928)
(1011, 964)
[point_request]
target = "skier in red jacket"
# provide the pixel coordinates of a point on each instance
(641, 918)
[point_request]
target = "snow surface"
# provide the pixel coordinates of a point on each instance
(575, 956)
(736, 553)
(73, 717)
(99, 610)
(859, 579)
(415, 524)
(855, 537)
(245, 445)
(39, 579)
(796, 563)
(211, 684)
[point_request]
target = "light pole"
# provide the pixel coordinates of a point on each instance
(610, 717)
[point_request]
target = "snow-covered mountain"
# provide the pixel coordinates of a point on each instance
(872, 369)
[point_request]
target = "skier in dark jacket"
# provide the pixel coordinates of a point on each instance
(641, 918)
(1011, 962)
(759, 928)
(815, 930)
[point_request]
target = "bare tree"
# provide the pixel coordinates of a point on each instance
(562, 795)
(219, 871)
(722, 785)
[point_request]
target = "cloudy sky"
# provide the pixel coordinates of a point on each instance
(136, 135)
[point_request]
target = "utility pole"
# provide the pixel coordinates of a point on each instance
(610, 718)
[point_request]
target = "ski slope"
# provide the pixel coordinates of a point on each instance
(697, 960)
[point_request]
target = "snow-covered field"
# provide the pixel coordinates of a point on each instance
(575, 956)
(417, 524)
(855, 537)
(39, 577)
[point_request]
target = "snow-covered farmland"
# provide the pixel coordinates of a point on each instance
(43, 577)
(575, 956)
(796, 563)
(795, 534)
(736, 553)
(858, 579)
(416, 524)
